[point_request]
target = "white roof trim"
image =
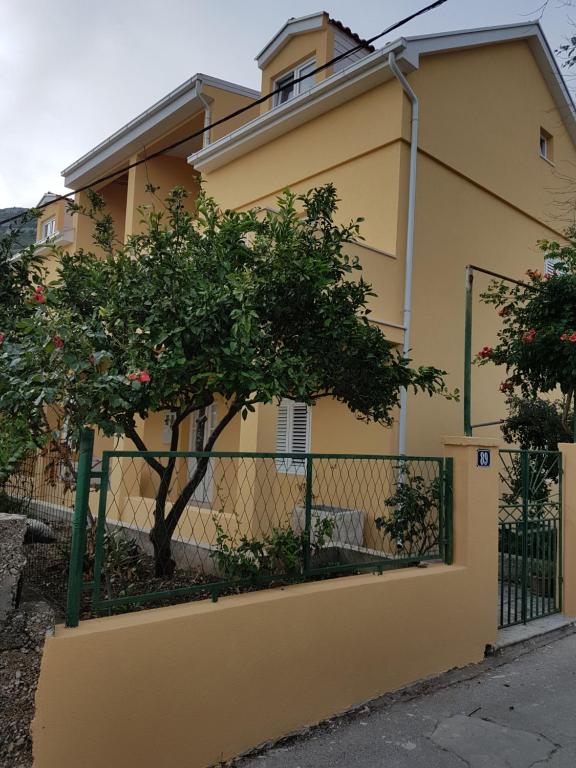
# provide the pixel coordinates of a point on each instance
(364, 75)
(161, 117)
(292, 27)
(329, 93)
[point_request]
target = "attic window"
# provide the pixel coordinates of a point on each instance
(48, 228)
(291, 88)
(545, 145)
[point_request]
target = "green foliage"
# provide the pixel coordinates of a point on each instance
(279, 553)
(250, 306)
(122, 559)
(535, 424)
(16, 441)
(413, 523)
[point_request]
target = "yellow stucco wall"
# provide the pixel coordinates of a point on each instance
(484, 196)
(212, 680)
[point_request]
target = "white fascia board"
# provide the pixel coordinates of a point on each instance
(362, 76)
(148, 127)
(292, 27)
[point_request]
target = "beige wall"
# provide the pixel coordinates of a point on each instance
(484, 196)
(212, 680)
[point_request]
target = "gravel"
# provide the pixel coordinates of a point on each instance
(21, 642)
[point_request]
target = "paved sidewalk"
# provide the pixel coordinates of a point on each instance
(517, 711)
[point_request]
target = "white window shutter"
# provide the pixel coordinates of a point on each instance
(550, 266)
(292, 434)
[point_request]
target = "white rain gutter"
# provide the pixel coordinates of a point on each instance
(207, 112)
(407, 311)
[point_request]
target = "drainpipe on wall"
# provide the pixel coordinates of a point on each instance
(407, 311)
(207, 112)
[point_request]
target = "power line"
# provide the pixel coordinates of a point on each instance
(236, 113)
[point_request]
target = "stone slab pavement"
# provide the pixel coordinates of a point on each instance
(517, 710)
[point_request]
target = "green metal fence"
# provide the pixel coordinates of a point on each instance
(530, 535)
(176, 526)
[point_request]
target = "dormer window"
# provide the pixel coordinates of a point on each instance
(48, 228)
(290, 88)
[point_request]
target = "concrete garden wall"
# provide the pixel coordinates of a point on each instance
(190, 685)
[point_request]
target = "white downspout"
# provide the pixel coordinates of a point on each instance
(207, 113)
(407, 311)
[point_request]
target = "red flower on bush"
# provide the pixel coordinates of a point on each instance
(506, 386)
(143, 377)
(529, 336)
(2, 338)
(485, 353)
(58, 341)
(568, 337)
(504, 311)
(39, 294)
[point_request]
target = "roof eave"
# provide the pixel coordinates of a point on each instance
(164, 115)
(360, 76)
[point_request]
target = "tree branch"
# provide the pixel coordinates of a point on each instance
(202, 465)
(139, 443)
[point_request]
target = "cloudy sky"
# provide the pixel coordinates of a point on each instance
(74, 71)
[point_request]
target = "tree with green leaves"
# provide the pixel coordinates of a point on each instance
(248, 307)
(21, 270)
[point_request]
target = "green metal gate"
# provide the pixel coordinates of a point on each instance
(529, 536)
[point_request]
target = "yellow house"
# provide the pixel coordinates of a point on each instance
(451, 146)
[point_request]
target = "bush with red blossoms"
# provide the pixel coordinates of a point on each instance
(536, 343)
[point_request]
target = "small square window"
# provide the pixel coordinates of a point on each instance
(545, 145)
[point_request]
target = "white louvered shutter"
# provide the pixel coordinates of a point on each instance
(299, 434)
(292, 434)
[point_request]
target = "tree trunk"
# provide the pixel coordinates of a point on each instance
(160, 536)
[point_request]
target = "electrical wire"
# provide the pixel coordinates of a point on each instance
(231, 115)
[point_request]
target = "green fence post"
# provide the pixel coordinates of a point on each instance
(449, 510)
(468, 353)
(78, 545)
(525, 484)
(308, 516)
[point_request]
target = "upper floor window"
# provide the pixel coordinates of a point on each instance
(546, 145)
(291, 88)
(48, 228)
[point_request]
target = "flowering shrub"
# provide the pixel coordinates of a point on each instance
(537, 340)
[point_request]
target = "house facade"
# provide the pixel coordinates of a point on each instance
(453, 148)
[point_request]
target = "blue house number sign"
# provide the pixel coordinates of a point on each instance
(483, 458)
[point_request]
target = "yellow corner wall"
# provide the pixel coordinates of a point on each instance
(213, 680)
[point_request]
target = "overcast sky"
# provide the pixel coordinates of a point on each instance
(74, 71)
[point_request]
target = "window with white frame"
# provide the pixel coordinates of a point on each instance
(48, 228)
(292, 435)
(290, 89)
(546, 145)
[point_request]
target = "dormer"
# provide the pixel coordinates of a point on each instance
(302, 45)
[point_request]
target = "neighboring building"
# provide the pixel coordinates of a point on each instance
(497, 131)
